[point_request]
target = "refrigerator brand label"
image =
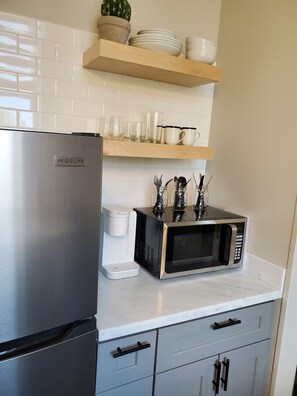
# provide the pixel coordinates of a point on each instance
(69, 161)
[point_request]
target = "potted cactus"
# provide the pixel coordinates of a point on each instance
(114, 23)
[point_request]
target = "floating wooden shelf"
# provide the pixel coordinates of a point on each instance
(124, 59)
(150, 150)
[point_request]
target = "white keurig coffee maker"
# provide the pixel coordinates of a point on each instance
(119, 227)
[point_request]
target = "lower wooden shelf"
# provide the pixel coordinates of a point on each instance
(149, 150)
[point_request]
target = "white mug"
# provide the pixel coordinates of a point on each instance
(190, 136)
(173, 135)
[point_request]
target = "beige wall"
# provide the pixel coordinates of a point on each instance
(254, 121)
(188, 17)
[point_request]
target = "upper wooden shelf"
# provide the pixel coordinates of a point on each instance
(123, 59)
(149, 150)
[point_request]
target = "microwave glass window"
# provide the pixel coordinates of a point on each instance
(192, 248)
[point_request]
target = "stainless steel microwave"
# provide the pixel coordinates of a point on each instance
(172, 244)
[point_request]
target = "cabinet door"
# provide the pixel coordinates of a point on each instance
(142, 387)
(248, 370)
(193, 379)
(246, 376)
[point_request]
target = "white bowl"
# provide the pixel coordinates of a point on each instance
(194, 47)
(198, 40)
(204, 55)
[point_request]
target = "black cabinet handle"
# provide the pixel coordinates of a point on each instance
(229, 322)
(224, 380)
(216, 381)
(136, 348)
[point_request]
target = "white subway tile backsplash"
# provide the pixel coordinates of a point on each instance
(178, 105)
(8, 80)
(71, 89)
(8, 118)
(88, 76)
(17, 63)
(69, 54)
(92, 125)
(87, 108)
(37, 121)
(17, 101)
(43, 86)
(116, 109)
(84, 39)
(17, 24)
(53, 32)
(8, 42)
(39, 48)
(156, 102)
(35, 84)
(53, 69)
(132, 98)
(53, 104)
(103, 94)
(71, 123)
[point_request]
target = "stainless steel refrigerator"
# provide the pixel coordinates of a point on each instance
(50, 203)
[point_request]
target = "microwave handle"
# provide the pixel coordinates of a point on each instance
(232, 243)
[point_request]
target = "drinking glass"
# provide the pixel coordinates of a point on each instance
(160, 199)
(152, 120)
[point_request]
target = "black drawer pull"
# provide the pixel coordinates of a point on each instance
(229, 322)
(139, 347)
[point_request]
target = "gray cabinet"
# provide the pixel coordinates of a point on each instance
(126, 365)
(222, 354)
(225, 354)
(247, 375)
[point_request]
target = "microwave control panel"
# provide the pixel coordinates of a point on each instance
(238, 247)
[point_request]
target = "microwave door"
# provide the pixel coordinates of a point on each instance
(192, 248)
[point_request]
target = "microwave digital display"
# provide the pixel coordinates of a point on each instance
(168, 245)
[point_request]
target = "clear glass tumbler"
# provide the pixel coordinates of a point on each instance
(160, 199)
(152, 119)
(180, 198)
(201, 198)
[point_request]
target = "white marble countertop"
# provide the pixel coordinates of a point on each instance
(142, 303)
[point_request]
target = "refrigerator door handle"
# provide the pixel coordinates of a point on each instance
(12, 349)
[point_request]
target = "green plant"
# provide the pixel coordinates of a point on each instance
(118, 8)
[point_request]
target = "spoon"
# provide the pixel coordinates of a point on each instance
(201, 183)
(182, 181)
(168, 183)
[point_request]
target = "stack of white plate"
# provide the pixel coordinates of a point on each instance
(200, 49)
(159, 40)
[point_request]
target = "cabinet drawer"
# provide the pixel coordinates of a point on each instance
(125, 360)
(191, 341)
(142, 387)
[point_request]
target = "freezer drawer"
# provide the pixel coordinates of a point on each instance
(66, 368)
